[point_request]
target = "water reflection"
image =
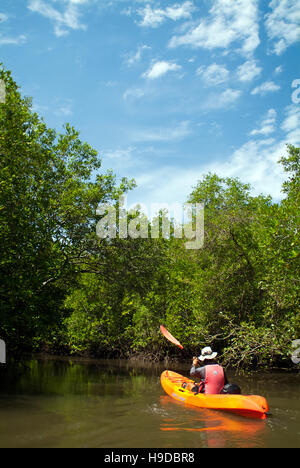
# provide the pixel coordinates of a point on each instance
(219, 428)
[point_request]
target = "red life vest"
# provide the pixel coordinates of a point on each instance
(214, 379)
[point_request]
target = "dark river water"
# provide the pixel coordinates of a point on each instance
(116, 404)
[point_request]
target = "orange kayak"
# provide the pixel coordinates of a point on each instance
(246, 405)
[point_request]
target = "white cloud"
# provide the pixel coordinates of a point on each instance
(39, 108)
(248, 71)
(168, 184)
(63, 21)
(164, 134)
(63, 107)
(291, 124)
(214, 74)
(228, 22)
(160, 68)
(278, 70)
(267, 125)
(254, 162)
(3, 17)
(121, 157)
(266, 87)
(154, 17)
(171, 184)
(119, 153)
(225, 99)
(18, 40)
(133, 93)
(283, 24)
(133, 58)
(10, 40)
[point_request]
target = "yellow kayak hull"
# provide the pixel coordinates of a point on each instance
(247, 405)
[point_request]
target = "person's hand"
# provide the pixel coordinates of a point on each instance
(195, 361)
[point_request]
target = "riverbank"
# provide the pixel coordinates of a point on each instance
(139, 360)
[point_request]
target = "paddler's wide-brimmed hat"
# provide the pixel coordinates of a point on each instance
(207, 353)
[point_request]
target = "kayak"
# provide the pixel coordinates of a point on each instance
(245, 405)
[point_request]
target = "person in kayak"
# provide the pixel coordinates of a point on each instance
(212, 376)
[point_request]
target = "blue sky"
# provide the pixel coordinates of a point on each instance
(166, 91)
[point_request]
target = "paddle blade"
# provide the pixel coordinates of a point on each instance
(170, 337)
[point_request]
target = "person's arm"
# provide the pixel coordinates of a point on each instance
(193, 370)
(197, 371)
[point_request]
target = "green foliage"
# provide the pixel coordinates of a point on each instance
(47, 216)
(253, 346)
(65, 290)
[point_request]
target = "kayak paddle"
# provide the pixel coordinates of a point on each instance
(170, 337)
